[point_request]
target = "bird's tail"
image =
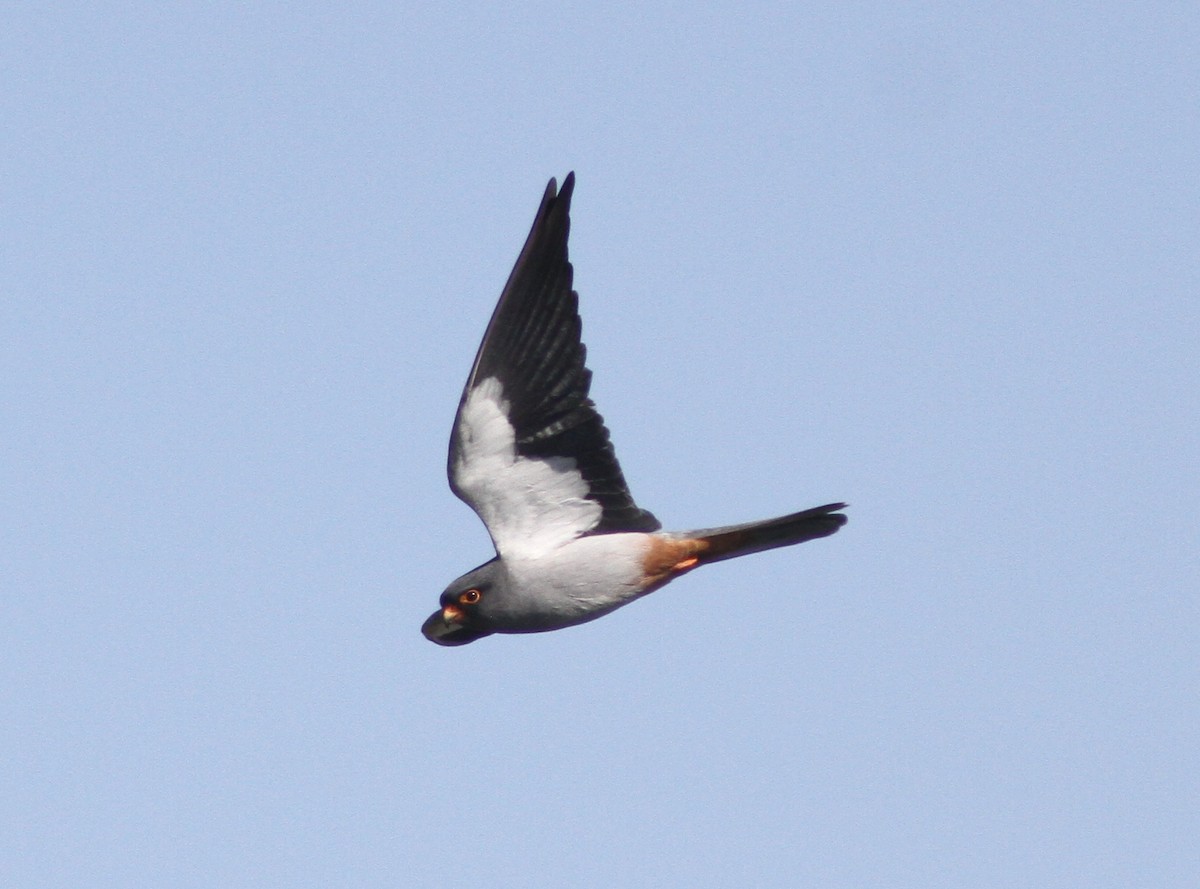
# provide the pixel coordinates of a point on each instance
(754, 537)
(670, 555)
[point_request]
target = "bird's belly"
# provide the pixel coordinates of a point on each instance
(584, 580)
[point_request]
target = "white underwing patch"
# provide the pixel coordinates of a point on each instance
(530, 506)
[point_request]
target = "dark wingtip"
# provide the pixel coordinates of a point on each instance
(556, 201)
(568, 186)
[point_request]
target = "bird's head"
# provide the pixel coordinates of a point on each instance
(465, 607)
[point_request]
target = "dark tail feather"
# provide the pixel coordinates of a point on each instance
(754, 537)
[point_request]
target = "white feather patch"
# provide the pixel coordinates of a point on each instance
(530, 506)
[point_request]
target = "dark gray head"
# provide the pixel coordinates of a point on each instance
(463, 615)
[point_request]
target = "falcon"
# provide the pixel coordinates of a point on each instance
(531, 455)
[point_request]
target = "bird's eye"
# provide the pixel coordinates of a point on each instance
(470, 597)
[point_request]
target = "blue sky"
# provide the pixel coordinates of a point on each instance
(938, 261)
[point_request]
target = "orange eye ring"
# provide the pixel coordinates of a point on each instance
(470, 597)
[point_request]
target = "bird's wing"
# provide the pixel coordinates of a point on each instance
(529, 453)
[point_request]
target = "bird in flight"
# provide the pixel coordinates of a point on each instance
(530, 454)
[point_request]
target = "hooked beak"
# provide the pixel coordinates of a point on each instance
(446, 627)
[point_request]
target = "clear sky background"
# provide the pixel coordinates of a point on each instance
(938, 260)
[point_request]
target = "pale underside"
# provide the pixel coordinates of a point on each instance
(556, 593)
(531, 507)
